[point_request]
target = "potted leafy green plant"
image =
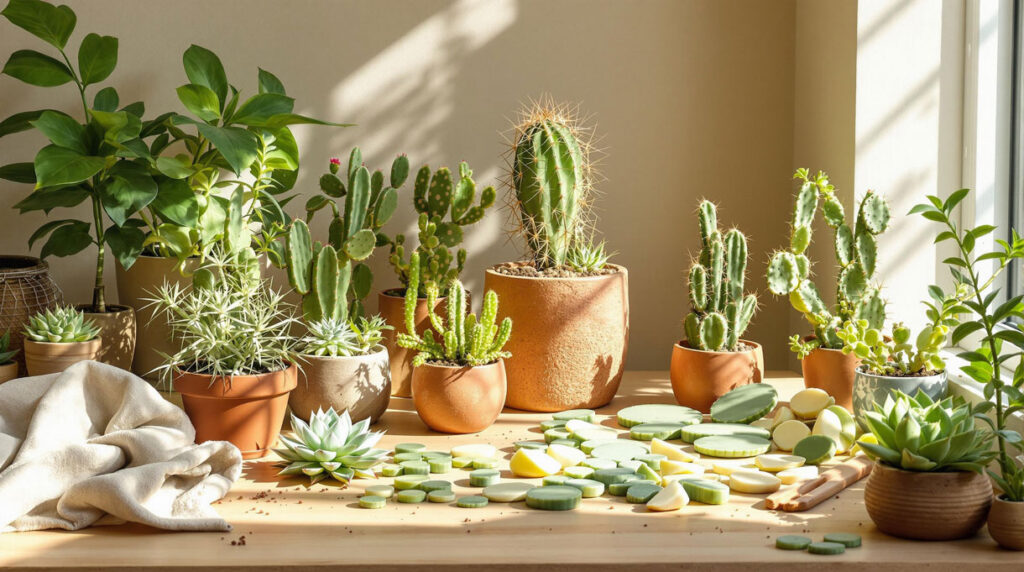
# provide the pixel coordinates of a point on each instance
(445, 207)
(713, 359)
(58, 338)
(458, 380)
(235, 366)
(8, 367)
(997, 323)
(824, 364)
(927, 450)
(574, 303)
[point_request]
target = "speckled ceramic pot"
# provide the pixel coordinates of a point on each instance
(869, 388)
(360, 385)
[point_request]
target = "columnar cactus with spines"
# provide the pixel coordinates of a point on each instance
(319, 273)
(435, 198)
(856, 249)
(720, 311)
(464, 339)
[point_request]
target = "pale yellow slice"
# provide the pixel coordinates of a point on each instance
(670, 467)
(754, 482)
(782, 415)
(774, 462)
(798, 474)
(673, 452)
(475, 450)
(727, 468)
(672, 497)
(566, 456)
(533, 463)
(807, 403)
(789, 433)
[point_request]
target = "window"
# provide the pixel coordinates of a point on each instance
(1015, 210)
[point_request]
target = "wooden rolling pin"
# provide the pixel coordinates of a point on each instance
(812, 493)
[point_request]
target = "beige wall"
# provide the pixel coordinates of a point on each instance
(691, 99)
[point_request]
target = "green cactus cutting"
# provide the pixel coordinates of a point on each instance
(720, 312)
(463, 339)
(445, 207)
(856, 251)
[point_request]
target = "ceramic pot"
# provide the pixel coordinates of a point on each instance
(8, 371)
(134, 286)
(246, 410)
(701, 377)
(391, 305)
(117, 333)
(42, 358)
(568, 340)
(459, 399)
(832, 371)
(25, 290)
(1006, 523)
(869, 388)
(927, 506)
(360, 385)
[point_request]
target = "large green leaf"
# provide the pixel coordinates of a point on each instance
(285, 152)
(47, 229)
(173, 168)
(285, 119)
(238, 146)
(97, 58)
(204, 68)
(19, 173)
(258, 109)
(200, 100)
(212, 220)
(269, 83)
(37, 69)
(62, 130)
(106, 99)
(176, 202)
(51, 198)
(179, 240)
(19, 122)
(60, 166)
(125, 242)
(67, 240)
(52, 24)
(129, 189)
(236, 236)
(117, 126)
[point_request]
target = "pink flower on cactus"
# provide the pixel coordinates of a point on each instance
(335, 161)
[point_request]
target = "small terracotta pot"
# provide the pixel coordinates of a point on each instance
(42, 358)
(927, 506)
(391, 305)
(246, 410)
(1006, 523)
(8, 371)
(869, 388)
(360, 385)
(569, 341)
(700, 377)
(832, 371)
(459, 399)
(117, 332)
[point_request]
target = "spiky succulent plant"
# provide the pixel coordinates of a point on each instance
(61, 325)
(333, 337)
(919, 434)
(587, 257)
(330, 446)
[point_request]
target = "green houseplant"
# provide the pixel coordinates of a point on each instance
(713, 359)
(8, 367)
(330, 446)
(458, 381)
(57, 338)
(577, 314)
(857, 297)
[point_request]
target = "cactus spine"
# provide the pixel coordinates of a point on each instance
(720, 312)
(856, 250)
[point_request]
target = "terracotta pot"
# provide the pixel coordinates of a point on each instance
(832, 371)
(246, 410)
(135, 285)
(360, 385)
(391, 305)
(1006, 523)
(42, 358)
(869, 388)
(25, 290)
(927, 506)
(8, 371)
(117, 332)
(700, 377)
(459, 399)
(568, 340)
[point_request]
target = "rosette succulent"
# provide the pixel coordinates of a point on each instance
(61, 325)
(330, 445)
(333, 337)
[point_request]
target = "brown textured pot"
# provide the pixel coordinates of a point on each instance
(360, 385)
(117, 332)
(135, 285)
(42, 358)
(927, 506)
(8, 371)
(391, 305)
(459, 399)
(568, 341)
(1006, 523)
(832, 371)
(701, 377)
(246, 410)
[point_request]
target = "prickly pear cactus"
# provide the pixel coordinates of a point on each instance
(856, 252)
(720, 312)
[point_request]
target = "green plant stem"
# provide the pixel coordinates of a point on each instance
(99, 304)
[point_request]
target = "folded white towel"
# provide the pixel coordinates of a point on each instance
(97, 445)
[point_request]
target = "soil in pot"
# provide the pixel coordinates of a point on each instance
(360, 385)
(246, 410)
(569, 341)
(391, 304)
(42, 358)
(927, 506)
(832, 371)
(117, 333)
(459, 399)
(700, 377)
(1006, 523)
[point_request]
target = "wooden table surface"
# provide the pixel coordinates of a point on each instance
(289, 525)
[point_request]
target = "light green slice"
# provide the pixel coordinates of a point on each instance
(584, 414)
(652, 460)
(616, 475)
(484, 477)
(618, 450)
(484, 463)
(372, 501)
(827, 548)
(409, 447)
(390, 470)
(596, 433)
(631, 464)
(589, 487)
(415, 467)
(567, 442)
(559, 433)
(648, 431)
(646, 472)
(411, 496)
(554, 480)
(579, 472)
(815, 448)
(474, 501)
(658, 413)
(386, 491)
(461, 462)
(619, 489)
(792, 542)
(641, 492)
(508, 492)
(427, 455)
(434, 485)
(707, 492)
(440, 465)
(532, 445)
(589, 446)
(691, 433)
(402, 457)
(443, 495)
(554, 498)
(745, 404)
(847, 539)
(597, 463)
(404, 482)
(552, 424)
(732, 446)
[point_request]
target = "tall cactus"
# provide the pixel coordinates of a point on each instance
(319, 273)
(720, 312)
(856, 252)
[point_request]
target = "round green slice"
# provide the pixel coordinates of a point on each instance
(596, 463)
(847, 539)
(618, 450)
(620, 489)
(658, 413)
(411, 496)
(554, 480)
(588, 415)
(556, 433)
(652, 460)
(641, 492)
(532, 445)
(434, 485)
(578, 472)
(484, 477)
(409, 447)
(691, 433)
(648, 431)
(404, 482)
(415, 467)
(815, 448)
(744, 404)
(484, 463)
(444, 495)
(552, 424)
(463, 462)
(386, 491)
(554, 498)
(411, 456)
(589, 487)
(508, 492)
(732, 446)
(830, 548)
(616, 475)
(567, 442)
(372, 501)
(792, 542)
(474, 501)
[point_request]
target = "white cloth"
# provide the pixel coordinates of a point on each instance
(96, 445)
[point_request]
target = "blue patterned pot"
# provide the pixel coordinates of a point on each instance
(869, 388)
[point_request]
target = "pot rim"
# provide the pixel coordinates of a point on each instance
(928, 474)
(999, 498)
(681, 344)
(178, 371)
(620, 270)
(936, 377)
(95, 340)
(36, 265)
(117, 309)
(495, 363)
(375, 351)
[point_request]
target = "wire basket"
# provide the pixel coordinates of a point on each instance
(25, 289)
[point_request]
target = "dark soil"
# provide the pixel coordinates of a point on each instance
(921, 373)
(529, 270)
(740, 347)
(447, 363)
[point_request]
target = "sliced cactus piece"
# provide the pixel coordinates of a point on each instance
(411, 496)
(578, 472)
(693, 432)
(774, 463)
(826, 548)
(631, 464)
(415, 467)
(484, 463)
(648, 431)
(647, 473)
(754, 482)
(788, 433)
(390, 470)
(567, 456)
(585, 414)
(531, 463)
(672, 497)
(847, 539)
(597, 464)
(409, 448)
(589, 487)
(618, 450)
(652, 460)
(838, 426)
(464, 462)
(658, 413)
(707, 492)
(442, 495)
(807, 403)
(732, 446)
(372, 501)
(670, 467)
(815, 449)
(744, 404)
(641, 493)
(566, 442)
(614, 475)
(620, 489)
(434, 485)
(552, 424)
(509, 492)
(484, 477)
(671, 451)
(541, 445)
(554, 498)
(792, 542)
(474, 501)
(558, 433)
(403, 457)
(554, 480)
(385, 491)
(799, 474)
(475, 450)
(781, 415)
(405, 482)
